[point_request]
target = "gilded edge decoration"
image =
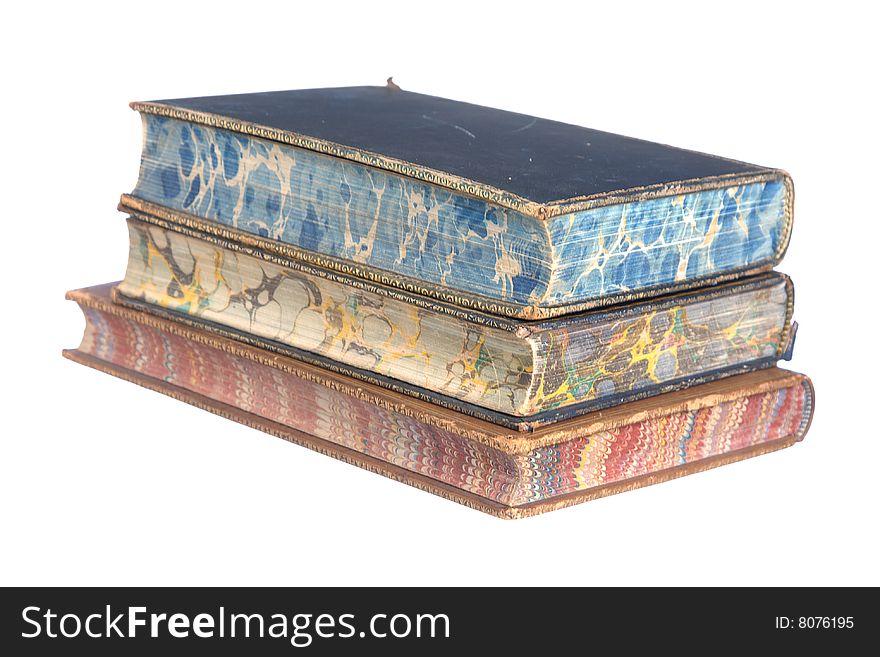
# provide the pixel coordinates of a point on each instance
(463, 185)
(471, 428)
(162, 216)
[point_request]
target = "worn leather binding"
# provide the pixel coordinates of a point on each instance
(485, 209)
(504, 473)
(413, 135)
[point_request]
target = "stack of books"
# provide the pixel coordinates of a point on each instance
(514, 313)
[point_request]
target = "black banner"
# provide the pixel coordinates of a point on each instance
(431, 621)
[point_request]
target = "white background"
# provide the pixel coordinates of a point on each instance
(106, 483)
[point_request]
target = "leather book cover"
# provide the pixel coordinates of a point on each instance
(501, 212)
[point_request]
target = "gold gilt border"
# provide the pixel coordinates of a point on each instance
(414, 479)
(484, 432)
(541, 211)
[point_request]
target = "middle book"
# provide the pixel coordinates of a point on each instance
(516, 373)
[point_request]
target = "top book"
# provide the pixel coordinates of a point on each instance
(503, 213)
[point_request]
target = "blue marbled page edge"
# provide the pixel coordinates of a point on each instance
(382, 221)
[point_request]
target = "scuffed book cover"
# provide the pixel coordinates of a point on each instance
(459, 457)
(510, 371)
(501, 212)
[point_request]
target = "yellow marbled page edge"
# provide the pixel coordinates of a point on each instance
(482, 431)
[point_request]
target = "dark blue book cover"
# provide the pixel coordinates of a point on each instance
(496, 211)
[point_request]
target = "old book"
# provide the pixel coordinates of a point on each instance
(483, 465)
(500, 212)
(507, 370)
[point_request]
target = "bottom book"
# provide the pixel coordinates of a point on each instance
(465, 459)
